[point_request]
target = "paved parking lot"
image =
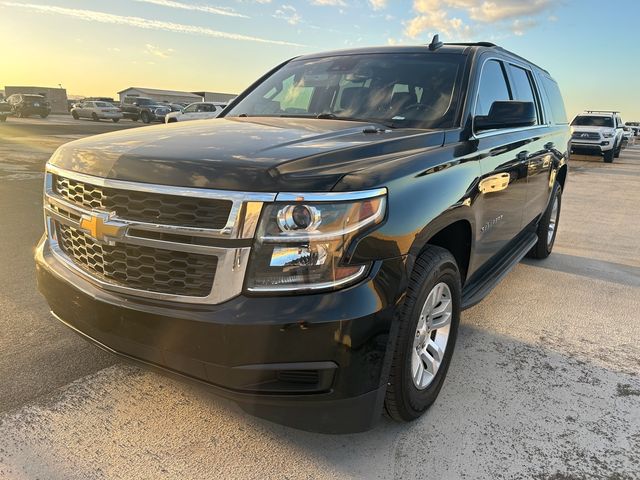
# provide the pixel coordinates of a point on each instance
(544, 383)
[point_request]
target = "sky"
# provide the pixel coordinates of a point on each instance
(99, 47)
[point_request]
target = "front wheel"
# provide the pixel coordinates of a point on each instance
(548, 226)
(94, 117)
(617, 150)
(3, 118)
(608, 155)
(44, 115)
(115, 120)
(428, 329)
(75, 115)
(145, 117)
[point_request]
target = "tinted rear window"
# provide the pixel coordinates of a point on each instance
(555, 98)
(593, 121)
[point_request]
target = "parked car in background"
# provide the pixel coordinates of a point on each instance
(143, 108)
(196, 111)
(96, 111)
(26, 104)
(597, 132)
(308, 254)
(5, 110)
(628, 135)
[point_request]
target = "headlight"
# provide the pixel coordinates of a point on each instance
(302, 245)
(610, 134)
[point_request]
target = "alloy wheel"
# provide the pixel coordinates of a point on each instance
(553, 221)
(431, 336)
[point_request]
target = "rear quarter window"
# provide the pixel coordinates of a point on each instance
(556, 102)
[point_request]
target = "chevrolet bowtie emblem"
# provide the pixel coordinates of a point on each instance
(98, 225)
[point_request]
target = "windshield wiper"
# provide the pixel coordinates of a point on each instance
(333, 116)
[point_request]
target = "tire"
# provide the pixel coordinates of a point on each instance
(406, 400)
(3, 118)
(172, 120)
(548, 226)
(75, 115)
(617, 150)
(115, 120)
(608, 155)
(145, 117)
(44, 115)
(94, 117)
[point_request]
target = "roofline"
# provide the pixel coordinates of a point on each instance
(156, 90)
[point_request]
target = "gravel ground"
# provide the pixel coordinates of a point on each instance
(544, 385)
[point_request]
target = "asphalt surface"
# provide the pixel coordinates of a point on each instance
(544, 382)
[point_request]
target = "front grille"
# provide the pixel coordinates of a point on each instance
(146, 207)
(142, 268)
(586, 136)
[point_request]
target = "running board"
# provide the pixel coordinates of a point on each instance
(475, 291)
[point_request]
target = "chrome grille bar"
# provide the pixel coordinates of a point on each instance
(231, 261)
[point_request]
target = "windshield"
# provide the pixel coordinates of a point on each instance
(399, 90)
(593, 121)
(103, 104)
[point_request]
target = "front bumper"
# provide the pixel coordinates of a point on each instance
(110, 116)
(591, 147)
(31, 110)
(316, 362)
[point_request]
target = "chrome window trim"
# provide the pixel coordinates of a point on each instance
(490, 133)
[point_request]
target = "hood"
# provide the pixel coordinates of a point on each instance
(246, 154)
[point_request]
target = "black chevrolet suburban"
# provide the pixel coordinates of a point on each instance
(308, 254)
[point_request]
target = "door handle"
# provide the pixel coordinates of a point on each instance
(494, 183)
(549, 146)
(522, 156)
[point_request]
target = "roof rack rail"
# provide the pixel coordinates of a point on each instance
(602, 111)
(473, 44)
(435, 43)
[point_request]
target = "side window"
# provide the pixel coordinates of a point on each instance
(191, 108)
(522, 88)
(493, 87)
(555, 98)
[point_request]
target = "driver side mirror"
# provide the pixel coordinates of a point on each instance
(507, 114)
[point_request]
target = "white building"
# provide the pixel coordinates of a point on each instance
(216, 97)
(171, 96)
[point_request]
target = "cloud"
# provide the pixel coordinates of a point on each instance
(138, 22)
(437, 21)
(444, 16)
(507, 9)
(518, 27)
(331, 3)
(158, 52)
(289, 14)
(378, 4)
(196, 8)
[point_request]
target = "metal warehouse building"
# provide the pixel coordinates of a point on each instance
(57, 97)
(174, 96)
(171, 96)
(216, 97)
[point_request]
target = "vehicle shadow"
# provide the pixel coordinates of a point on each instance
(587, 267)
(509, 409)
